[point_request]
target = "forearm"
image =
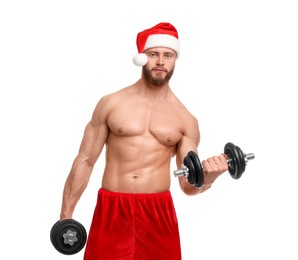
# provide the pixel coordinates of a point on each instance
(189, 189)
(75, 185)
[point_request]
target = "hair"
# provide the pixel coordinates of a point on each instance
(158, 82)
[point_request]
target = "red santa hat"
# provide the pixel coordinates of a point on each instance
(160, 35)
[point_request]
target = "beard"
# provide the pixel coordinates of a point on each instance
(156, 81)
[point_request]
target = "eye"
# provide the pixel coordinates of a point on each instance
(169, 55)
(152, 54)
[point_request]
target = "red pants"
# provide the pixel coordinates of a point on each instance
(133, 227)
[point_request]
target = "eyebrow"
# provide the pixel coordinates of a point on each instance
(165, 52)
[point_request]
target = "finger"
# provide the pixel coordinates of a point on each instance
(223, 159)
(206, 166)
(217, 160)
(225, 156)
(212, 162)
(220, 165)
(215, 164)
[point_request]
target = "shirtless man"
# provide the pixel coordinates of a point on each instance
(142, 126)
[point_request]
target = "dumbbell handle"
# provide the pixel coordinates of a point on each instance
(247, 157)
(184, 171)
(70, 237)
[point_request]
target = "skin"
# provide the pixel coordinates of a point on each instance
(142, 127)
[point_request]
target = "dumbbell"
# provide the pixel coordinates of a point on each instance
(68, 236)
(193, 171)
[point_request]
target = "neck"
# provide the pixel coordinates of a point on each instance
(152, 92)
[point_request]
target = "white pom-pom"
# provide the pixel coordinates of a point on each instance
(140, 59)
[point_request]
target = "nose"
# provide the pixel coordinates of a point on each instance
(160, 60)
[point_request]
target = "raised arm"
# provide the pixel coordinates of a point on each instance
(95, 135)
(189, 142)
(213, 167)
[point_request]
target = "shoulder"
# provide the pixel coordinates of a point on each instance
(111, 99)
(106, 104)
(190, 123)
(183, 111)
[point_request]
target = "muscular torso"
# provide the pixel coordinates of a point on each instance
(143, 137)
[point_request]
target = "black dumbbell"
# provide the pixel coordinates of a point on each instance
(193, 171)
(68, 236)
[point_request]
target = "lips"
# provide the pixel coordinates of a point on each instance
(159, 69)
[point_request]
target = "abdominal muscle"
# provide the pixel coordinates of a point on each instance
(137, 164)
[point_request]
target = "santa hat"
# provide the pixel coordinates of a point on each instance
(160, 35)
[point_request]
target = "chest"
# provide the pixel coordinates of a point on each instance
(161, 121)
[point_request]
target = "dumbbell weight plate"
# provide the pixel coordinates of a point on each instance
(241, 160)
(198, 169)
(237, 161)
(71, 227)
(192, 177)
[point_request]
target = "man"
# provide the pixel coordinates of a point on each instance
(142, 127)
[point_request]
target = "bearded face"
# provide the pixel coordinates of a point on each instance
(156, 79)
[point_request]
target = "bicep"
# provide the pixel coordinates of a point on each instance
(93, 141)
(95, 135)
(189, 141)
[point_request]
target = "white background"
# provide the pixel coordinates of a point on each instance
(237, 74)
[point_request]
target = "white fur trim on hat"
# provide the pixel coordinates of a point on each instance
(163, 40)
